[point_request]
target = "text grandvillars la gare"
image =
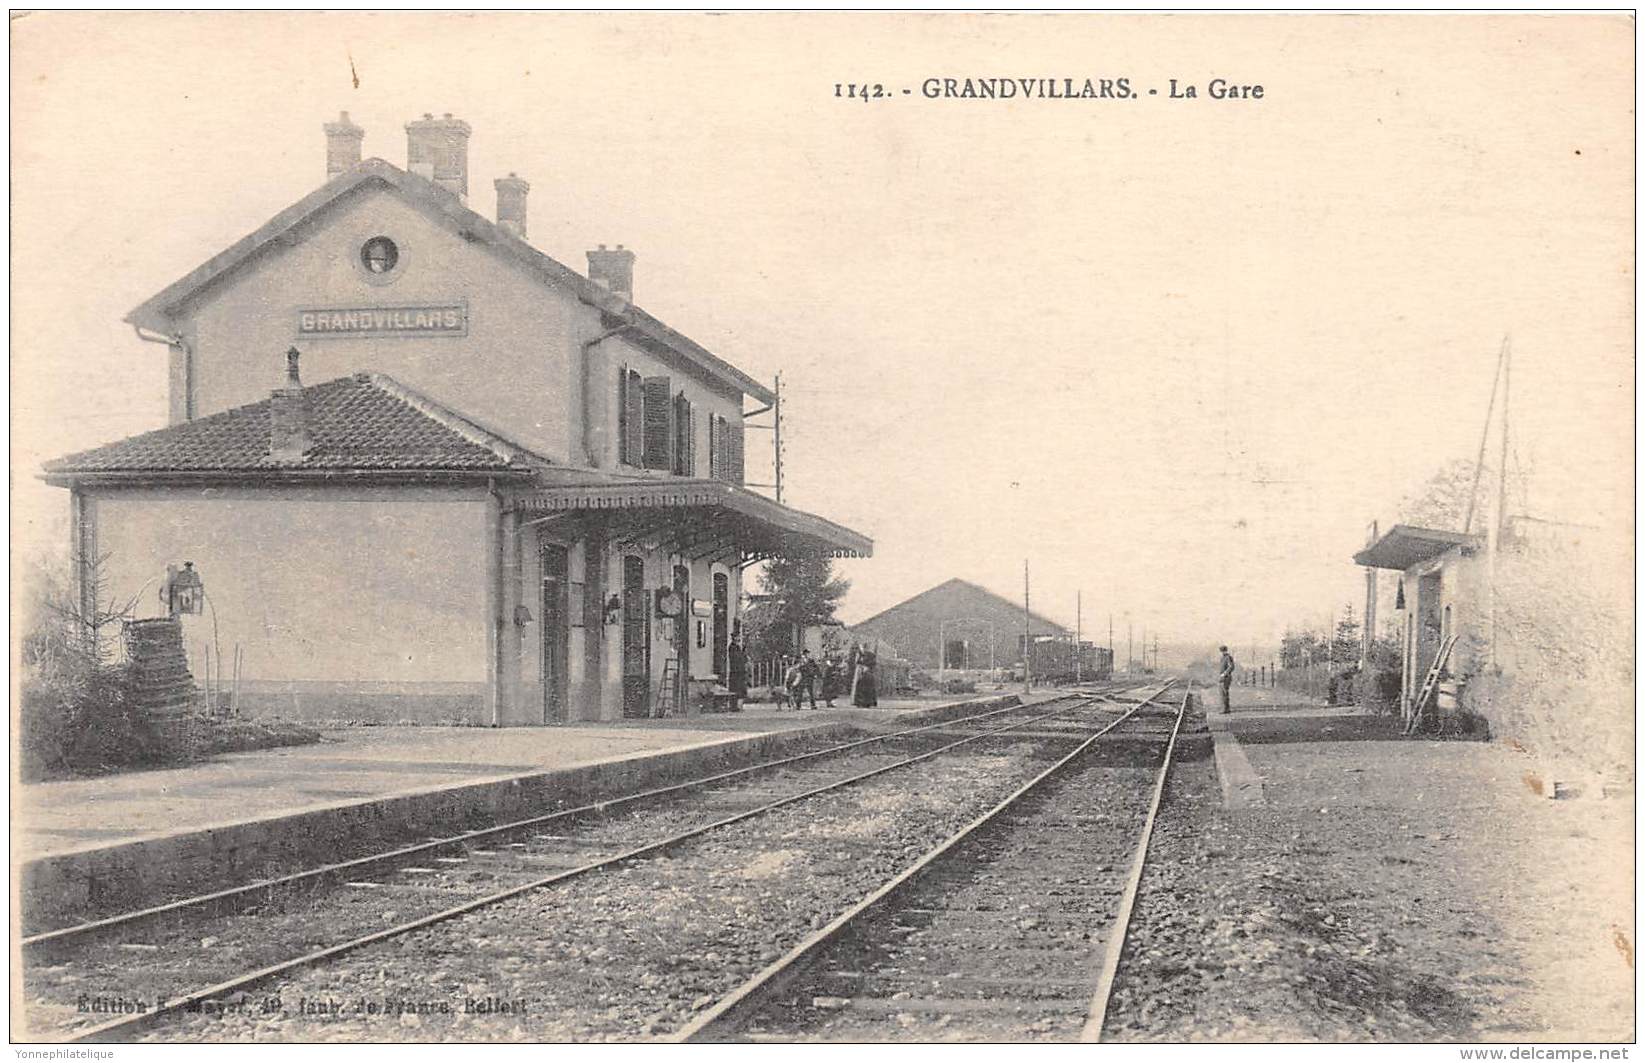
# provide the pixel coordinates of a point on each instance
(1073, 88)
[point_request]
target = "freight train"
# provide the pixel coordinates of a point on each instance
(1055, 660)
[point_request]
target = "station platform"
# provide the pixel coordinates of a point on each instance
(86, 844)
(1403, 889)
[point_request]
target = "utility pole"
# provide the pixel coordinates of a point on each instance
(1485, 434)
(1079, 673)
(1501, 522)
(1130, 659)
(1027, 637)
(1368, 638)
(777, 434)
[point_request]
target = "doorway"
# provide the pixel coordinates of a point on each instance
(722, 623)
(682, 628)
(636, 641)
(556, 631)
(1430, 626)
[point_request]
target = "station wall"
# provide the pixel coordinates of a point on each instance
(346, 603)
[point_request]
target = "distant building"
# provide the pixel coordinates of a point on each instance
(957, 624)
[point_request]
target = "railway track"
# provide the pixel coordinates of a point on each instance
(1010, 929)
(227, 943)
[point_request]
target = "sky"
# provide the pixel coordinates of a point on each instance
(1176, 354)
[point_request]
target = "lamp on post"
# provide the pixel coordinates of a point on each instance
(183, 591)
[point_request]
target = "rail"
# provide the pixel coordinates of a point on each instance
(722, 1019)
(126, 1026)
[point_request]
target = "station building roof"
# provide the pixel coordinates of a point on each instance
(365, 423)
(370, 426)
(692, 516)
(1405, 545)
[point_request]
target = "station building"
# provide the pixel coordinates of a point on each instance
(428, 473)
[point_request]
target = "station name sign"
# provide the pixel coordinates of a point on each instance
(436, 319)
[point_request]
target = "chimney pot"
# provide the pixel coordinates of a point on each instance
(613, 269)
(437, 148)
(288, 416)
(343, 139)
(511, 203)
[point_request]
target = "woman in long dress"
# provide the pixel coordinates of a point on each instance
(736, 666)
(863, 693)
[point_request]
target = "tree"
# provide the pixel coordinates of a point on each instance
(1346, 646)
(800, 591)
(1442, 501)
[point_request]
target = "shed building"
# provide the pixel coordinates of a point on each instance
(957, 624)
(1442, 593)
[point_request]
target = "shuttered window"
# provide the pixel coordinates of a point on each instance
(685, 437)
(734, 453)
(714, 450)
(659, 423)
(720, 460)
(630, 418)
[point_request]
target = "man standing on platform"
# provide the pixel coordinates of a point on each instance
(1227, 677)
(809, 672)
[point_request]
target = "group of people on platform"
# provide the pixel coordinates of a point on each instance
(799, 680)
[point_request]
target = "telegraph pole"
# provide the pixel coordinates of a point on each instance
(1130, 660)
(1079, 673)
(1027, 637)
(777, 433)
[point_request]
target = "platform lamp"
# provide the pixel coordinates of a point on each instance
(183, 591)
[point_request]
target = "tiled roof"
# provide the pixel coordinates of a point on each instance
(362, 423)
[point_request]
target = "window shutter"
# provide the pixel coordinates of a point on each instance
(659, 423)
(734, 453)
(634, 417)
(690, 440)
(722, 449)
(622, 414)
(682, 435)
(714, 446)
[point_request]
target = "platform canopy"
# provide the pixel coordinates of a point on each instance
(696, 518)
(1405, 545)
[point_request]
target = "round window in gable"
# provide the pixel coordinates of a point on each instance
(379, 255)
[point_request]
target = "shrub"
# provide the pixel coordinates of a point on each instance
(78, 717)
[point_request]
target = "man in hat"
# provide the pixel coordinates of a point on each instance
(1226, 675)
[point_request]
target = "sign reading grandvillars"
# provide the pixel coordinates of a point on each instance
(433, 320)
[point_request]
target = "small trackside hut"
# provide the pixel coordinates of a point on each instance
(1441, 605)
(511, 497)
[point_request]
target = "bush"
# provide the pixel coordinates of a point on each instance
(215, 735)
(78, 717)
(959, 686)
(1380, 690)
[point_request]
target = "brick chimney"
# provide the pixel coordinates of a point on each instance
(288, 416)
(342, 145)
(511, 193)
(437, 148)
(613, 270)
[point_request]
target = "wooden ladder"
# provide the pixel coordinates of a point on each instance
(668, 690)
(1413, 716)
